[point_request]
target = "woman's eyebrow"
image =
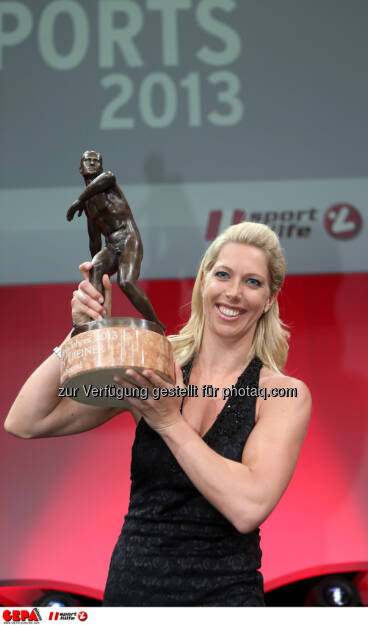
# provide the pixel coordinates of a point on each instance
(248, 273)
(223, 266)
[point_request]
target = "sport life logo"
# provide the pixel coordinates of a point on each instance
(70, 616)
(21, 616)
(343, 221)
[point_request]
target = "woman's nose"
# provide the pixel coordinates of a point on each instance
(234, 290)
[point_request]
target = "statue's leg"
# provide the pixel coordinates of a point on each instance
(103, 262)
(128, 272)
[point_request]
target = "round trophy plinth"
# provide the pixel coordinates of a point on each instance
(98, 350)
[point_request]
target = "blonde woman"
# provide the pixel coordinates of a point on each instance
(206, 470)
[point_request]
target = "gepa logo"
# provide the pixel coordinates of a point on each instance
(21, 616)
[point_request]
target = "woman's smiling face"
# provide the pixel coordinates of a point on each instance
(236, 291)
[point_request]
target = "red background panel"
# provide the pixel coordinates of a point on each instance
(64, 499)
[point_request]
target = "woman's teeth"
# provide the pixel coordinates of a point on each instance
(229, 312)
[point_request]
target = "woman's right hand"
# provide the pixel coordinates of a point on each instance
(87, 301)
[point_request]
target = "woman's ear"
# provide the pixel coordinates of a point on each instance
(202, 282)
(271, 300)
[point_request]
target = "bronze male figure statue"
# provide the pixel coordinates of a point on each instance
(108, 213)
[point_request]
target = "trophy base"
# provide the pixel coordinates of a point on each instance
(101, 349)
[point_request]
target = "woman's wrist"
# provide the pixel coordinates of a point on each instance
(165, 428)
(57, 350)
(176, 432)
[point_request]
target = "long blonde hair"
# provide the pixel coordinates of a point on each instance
(270, 337)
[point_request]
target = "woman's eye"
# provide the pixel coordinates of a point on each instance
(254, 282)
(221, 274)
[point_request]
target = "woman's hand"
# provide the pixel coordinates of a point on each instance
(87, 301)
(159, 413)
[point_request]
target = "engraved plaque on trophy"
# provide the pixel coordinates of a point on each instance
(98, 350)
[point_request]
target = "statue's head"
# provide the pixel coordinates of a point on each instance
(91, 163)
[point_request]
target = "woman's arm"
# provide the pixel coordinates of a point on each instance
(244, 492)
(38, 411)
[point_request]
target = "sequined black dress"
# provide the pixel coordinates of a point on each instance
(175, 548)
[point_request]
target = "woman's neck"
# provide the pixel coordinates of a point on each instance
(217, 355)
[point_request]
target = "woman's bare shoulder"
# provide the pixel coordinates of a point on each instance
(294, 392)
(275, 379)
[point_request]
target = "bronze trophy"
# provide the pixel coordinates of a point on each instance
(98, 350)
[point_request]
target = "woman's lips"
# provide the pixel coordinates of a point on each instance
(228, 312)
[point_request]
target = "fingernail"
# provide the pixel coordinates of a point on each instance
(101, 300)
(104, 313)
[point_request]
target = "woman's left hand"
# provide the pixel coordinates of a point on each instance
(159, 413)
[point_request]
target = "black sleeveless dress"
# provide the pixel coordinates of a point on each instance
(175, 548)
